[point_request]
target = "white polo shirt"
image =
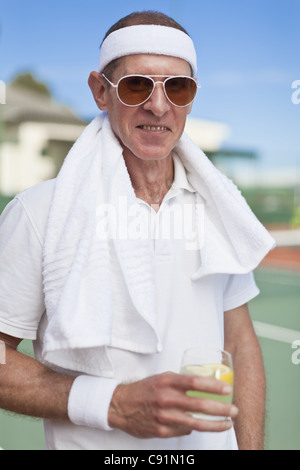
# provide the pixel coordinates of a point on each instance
(188, 312)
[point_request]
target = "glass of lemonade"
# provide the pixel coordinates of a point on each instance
(208, 362)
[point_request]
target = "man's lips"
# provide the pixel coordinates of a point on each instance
(153, 128)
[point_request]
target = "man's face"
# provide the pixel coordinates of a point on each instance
(132, 125)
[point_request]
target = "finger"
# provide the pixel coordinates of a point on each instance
(179, 399)
(205, 425)
(197, 423)
(203, 384)
(210, 407)
(176, 423)
(183, 402)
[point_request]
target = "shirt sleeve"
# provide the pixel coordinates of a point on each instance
(239, 289)
(21, 291)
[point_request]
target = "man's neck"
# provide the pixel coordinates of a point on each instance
(152, 179)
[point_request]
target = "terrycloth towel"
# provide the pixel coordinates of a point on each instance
(78, 270)
(235, 241)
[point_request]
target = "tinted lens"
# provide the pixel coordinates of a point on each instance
(181, 90)
(135, 90)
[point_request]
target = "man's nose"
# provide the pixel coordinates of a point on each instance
(158, 103)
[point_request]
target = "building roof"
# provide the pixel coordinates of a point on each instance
(26, 105)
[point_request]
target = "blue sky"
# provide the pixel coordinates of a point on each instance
(248, 58)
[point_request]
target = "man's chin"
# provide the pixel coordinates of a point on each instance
(150, 153)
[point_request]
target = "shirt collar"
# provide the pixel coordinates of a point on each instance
(180, 178)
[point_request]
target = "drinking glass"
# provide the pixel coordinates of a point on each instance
(208, 362)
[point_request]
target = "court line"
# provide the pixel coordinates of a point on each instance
(278, 333)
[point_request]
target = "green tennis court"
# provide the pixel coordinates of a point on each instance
(276, 317)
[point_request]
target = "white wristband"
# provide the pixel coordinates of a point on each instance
(89, 401)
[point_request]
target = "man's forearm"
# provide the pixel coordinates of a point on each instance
(249, 397)
(30, 388)
(249, 378)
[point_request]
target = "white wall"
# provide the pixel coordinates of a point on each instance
(21, 163)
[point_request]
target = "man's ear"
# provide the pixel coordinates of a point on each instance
(99, 90)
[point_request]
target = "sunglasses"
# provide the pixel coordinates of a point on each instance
(134, 90)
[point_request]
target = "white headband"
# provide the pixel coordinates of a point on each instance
(148, 39)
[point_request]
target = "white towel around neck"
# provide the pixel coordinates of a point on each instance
(77, 271)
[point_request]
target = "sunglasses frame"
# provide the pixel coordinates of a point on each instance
(150, 77)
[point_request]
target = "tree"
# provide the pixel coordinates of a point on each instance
(28, 81)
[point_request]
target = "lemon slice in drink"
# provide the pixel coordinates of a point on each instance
(216, 371)
(195, 369)
(222, 372)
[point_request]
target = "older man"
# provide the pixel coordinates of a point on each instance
(110, 292)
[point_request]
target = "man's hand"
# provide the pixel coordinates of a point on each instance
(158, 406)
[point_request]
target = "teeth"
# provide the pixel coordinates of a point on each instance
(154, 128)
